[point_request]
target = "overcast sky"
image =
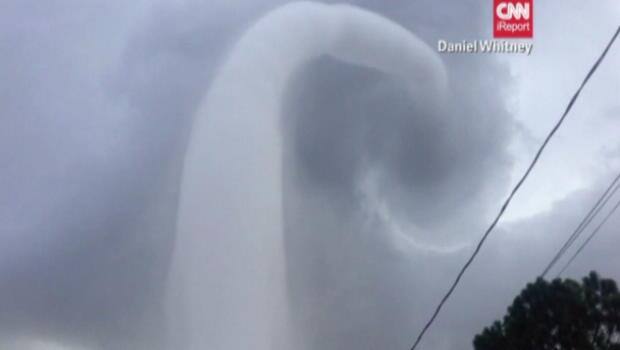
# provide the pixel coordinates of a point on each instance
(381, 208)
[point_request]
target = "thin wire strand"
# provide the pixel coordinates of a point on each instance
(514, 190)
(585, 243)
(600, 203)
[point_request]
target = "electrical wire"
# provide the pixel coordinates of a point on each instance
(585, 243)
(600, 203)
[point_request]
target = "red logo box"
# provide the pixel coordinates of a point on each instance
(513, 18)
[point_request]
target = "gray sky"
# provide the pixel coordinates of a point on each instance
(381, 208)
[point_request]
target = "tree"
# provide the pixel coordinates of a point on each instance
(559, 315)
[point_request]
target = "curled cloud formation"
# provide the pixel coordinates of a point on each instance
(90, 265)
(380, 191)
(228, 277)
(91, 236)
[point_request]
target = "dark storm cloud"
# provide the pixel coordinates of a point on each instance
(349, 119)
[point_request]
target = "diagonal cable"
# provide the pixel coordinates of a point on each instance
(592, 235)
(602, 201)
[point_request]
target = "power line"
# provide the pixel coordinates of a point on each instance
(585, 222)
(514, 190)
(585, 243)
(600, 203)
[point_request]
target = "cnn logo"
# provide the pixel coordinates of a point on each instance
(513, 18)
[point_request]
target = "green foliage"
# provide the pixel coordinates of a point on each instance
(559, 315)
